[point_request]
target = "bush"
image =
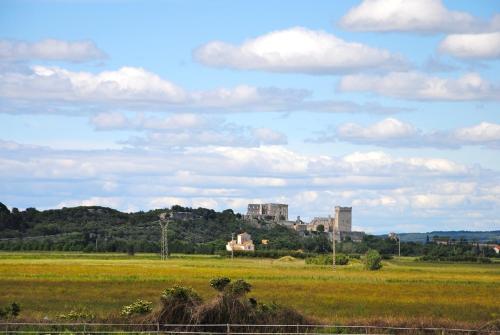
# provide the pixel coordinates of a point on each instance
(139, 307)
(181, 305)
(340, 259)
(13, 310)
(239, 288)
(177, 305)
(373, 260)
(180, 293)
(77, 316)
(220, 283)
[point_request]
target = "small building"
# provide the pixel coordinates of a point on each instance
(243, 243)
(496, 248)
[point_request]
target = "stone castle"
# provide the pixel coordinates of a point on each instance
(340, 223)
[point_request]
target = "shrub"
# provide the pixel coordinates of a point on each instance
(77, 316)
(232, 306)
(220, 283)
(13, 310)
(139, 307)
(373, 260)
(180, 293)
(181, 305)
(239, 288)
(177, 305)
(341, 259)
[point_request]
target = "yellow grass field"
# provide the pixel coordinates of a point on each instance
(403, 292)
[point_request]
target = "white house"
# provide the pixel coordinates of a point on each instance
(243, 243)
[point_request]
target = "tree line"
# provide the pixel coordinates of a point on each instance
(200, 231)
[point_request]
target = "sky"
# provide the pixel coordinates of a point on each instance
(388, 106)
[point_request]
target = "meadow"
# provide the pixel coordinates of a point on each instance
(403, 292)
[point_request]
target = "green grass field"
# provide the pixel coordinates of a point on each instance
(403, 292)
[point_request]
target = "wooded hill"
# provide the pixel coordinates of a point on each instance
(79, 228)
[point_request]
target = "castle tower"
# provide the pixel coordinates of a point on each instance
(343, 219)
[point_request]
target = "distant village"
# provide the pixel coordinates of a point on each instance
(338, 227)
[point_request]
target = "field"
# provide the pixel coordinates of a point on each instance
(403, 292)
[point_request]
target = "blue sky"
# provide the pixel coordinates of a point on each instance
(388, 106)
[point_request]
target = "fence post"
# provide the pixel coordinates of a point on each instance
(85, 328)
(158, 327)
(297, 328)
(228, 329)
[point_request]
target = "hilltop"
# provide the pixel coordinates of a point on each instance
(91, 228)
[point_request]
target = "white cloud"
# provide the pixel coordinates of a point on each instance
(50, 49)
(392, 132)
(484, 132)
(297, 49)
(127, 83)
(386, 129)
(420, 86)
(472, 46)
(427, 16)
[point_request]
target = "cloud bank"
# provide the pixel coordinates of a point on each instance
(384, 189)
(54, 89)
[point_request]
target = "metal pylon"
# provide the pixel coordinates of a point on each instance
(164, 221)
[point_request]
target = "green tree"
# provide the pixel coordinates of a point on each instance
(373, 260)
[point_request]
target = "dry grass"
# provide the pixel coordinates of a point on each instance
(403, 292)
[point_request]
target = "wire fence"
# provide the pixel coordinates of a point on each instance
(224, 329)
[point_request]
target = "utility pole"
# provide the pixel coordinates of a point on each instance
(399, 246)
(333, 245)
